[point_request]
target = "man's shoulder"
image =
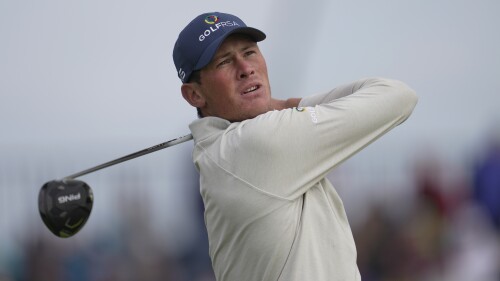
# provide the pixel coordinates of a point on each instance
(208, 126)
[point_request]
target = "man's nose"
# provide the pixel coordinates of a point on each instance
(245, 69)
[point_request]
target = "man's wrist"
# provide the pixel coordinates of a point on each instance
(292, 102)
(284, 104)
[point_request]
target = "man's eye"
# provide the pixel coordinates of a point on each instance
(223, 62)
(248, 53)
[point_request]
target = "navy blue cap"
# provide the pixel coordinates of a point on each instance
(199, 40)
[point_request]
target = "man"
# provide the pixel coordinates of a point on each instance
(270, 212)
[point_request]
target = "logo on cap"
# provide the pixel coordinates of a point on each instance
(216, 26)
(211, 19)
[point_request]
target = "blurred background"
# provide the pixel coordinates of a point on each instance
(85, 82)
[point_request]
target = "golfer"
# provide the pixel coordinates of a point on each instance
(270, 212)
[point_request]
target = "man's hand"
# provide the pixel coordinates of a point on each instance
(284, 104)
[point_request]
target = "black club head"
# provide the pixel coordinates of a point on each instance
(65, 206)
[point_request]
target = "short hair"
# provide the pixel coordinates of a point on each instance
(196, 78)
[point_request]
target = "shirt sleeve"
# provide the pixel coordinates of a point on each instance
(285, 152)
(339, 92)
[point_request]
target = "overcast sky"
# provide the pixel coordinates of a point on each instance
(102, 70)
(83, 82)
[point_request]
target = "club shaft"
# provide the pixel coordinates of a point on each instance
(133, 155)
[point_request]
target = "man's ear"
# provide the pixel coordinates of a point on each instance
(192, 95)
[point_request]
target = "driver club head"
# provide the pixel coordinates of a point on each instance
(65, 206)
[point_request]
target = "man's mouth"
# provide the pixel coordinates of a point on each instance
(251, 89)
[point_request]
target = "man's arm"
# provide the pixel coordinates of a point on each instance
(295, 148)
(344, 91)
(337, 93)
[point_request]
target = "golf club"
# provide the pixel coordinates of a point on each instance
(65, 204)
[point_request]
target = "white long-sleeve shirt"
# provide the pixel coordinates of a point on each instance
(269, 210)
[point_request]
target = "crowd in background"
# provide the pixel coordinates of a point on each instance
(451, 232)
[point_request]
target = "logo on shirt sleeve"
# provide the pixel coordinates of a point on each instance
(312, 112)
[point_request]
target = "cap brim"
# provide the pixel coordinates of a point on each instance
(210, 51)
